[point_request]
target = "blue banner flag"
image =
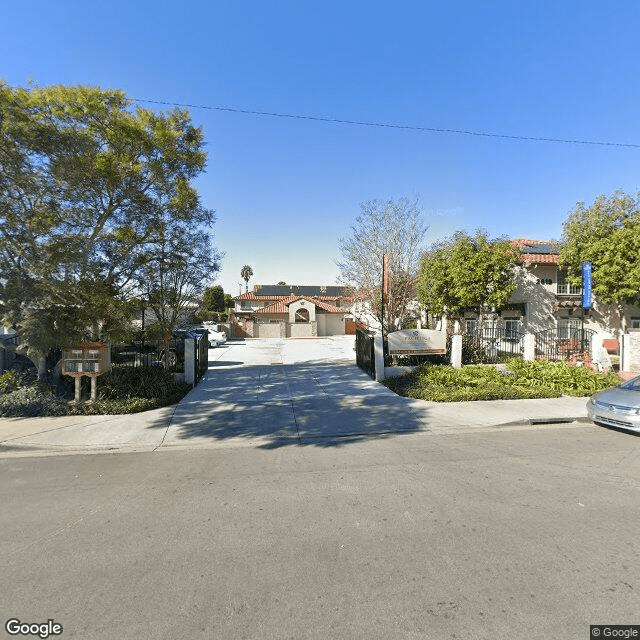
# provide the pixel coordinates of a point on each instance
(586, 285)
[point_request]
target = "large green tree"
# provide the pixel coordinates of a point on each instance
(87, 185)
(467, 271)
(607, 234)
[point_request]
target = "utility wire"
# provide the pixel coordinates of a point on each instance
(389, 125)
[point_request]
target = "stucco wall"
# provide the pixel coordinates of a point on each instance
(334, 325)
(270, 330)
(303, 330)
(302, 304)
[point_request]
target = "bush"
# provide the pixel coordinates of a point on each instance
(32, 401)
(561, 376)
(10, 381)
(152, 382)
(541, 379)
(117, 407)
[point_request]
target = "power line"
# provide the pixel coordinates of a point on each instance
(388, 125)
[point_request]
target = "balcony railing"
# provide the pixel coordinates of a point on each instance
(568, 290)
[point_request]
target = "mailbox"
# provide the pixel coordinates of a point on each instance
(86, 359)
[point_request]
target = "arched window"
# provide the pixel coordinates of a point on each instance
(302, 315)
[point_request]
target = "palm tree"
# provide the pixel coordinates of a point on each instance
(245, 273)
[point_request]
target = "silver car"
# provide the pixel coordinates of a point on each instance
(617, 407)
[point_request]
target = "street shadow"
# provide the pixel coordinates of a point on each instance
(224, 363)
(319, 403)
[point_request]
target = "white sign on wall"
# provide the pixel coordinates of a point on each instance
(417, 342)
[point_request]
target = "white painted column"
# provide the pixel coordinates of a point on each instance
(456, 351)
(529, 344)
(378, 352)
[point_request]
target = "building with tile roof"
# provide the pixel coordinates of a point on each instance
(545, 300)
(290, 311)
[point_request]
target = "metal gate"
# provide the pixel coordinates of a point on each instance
(365, 355)
(564, 343)
(491, 345)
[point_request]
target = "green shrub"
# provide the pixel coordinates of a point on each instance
(118, 407)
(153, 382)
(32, 401)
(561, 376)
(540, 379)
(10, 381)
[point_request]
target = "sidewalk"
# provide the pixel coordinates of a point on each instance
(272, 394)
(162, 428)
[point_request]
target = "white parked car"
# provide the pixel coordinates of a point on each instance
(216, 335)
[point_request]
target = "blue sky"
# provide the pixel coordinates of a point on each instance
(285, 190)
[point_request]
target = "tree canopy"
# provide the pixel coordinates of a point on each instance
(607, 234)
(467, 271)
(394, 228)
(214, 299)
(88, 184)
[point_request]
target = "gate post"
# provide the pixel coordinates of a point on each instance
(456, 350)
(529, 344)
(190, 361)
(378, 357)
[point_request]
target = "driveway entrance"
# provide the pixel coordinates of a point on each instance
(288, 392)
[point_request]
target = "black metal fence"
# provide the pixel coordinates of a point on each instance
(491, 345)
(564, 343)
(365, 355)
(166, 353)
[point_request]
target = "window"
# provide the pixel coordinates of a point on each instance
(245, 304)
(302, 315)
(635, 323)
(512, 328)
(471, 326)
(567, 329)
(545, 281)
(564, 288)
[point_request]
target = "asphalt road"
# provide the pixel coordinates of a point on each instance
(520, 534)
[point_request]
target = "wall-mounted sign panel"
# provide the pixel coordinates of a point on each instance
(417, 342)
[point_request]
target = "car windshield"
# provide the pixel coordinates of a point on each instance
(631, 385)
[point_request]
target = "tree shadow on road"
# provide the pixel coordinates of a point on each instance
(326, 404)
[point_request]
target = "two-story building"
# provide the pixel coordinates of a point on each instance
(290, 311)
(544, 300)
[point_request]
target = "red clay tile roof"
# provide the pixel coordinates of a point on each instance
(250, 295)
(536, 258)
(539, 258)
(280, 306)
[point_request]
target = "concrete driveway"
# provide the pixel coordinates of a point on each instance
(278, 392)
